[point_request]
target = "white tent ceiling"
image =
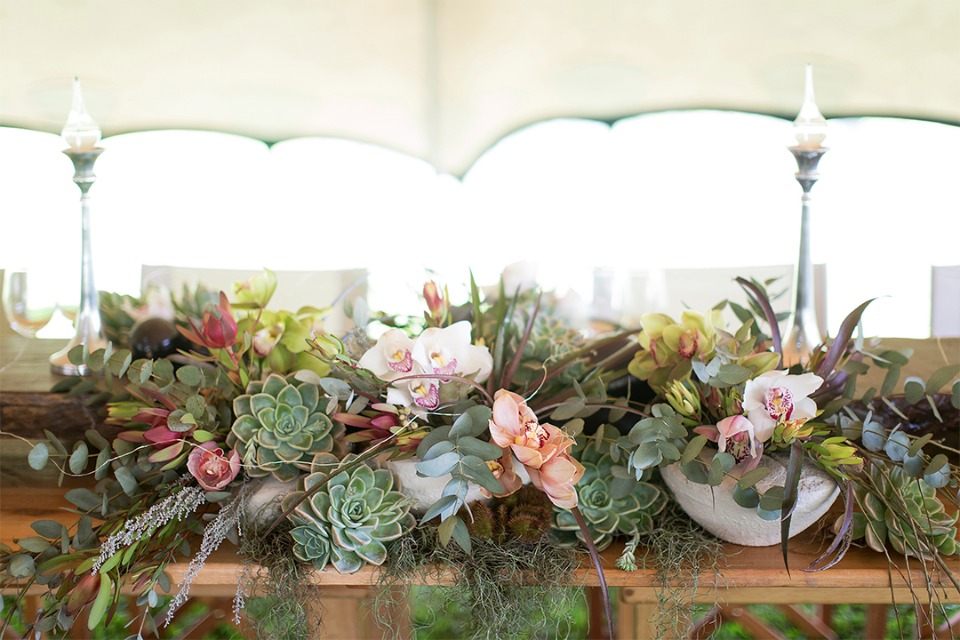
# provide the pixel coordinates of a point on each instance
(444, 79)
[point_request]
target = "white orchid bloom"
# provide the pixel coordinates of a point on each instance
(392, 356)
(450, 351)
(445, 352)
(776, 397)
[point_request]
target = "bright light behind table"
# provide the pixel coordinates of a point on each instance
(571, 194)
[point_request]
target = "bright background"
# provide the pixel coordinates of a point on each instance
(580, 198)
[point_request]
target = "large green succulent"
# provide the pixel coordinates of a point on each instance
(280, 426)
(611, 500)
(903, 513)
(350, 518)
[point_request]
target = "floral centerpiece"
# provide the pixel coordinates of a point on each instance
(726, 402)
(260, 428)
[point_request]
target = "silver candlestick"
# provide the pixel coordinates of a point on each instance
(804, 334)
(88, 317)
(810, 129)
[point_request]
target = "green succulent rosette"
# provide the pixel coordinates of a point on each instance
(280, 426)
(349, 519)
(311, 541)
(883, 522)
(611, 499)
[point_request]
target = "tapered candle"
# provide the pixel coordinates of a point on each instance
(81, 132)
(810, 127)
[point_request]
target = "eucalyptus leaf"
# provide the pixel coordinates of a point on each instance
(431, 439)
(78, 459)
(890, 380)
(438, 450)
(38, 456)
(469, 445)
(874, 435)
(445, 530)
(461, 535)
(574, 428)
(746, 497)
(65, 385)
(693, 448)
(715, 475)
(82, 389)
(181, 421)
(694, 471)
(440, 505)
(918, 444)
(438, 466)
(146, 370)
(646, 456)
(102, 467)
(93, 437)
(938, 462)
(913, 390)
(48, 528)
(478, 471)
(85, 538)
(190, 375)
(120, 362)
(76, 354)
(21, 565)
(472, 422)
(34, 544)
(83, 499)
(897, 446)
(95, 360)
(752, 477)
(336, 388)
(941, 377)
(772, 499)
(732, 374)
(768, 514)
(126, 479)
(569, 409)
(196, 406)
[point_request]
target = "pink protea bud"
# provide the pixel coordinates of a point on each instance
(436, 303)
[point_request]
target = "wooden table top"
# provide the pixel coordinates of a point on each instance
(752, 575)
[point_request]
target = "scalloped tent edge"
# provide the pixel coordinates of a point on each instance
(442, 80)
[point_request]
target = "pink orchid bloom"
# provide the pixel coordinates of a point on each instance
(735, 435)
(212, 469)
(542, 448)
(503, 471)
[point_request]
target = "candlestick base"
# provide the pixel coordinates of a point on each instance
(88, 316)
(60, 362)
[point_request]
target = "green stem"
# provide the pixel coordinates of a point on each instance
(595, 557)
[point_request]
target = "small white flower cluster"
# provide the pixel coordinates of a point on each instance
(216, 531)
(177, 505)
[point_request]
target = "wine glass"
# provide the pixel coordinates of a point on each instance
(29, 298)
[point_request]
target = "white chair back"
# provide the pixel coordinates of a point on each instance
(945, 302)
(295, 289)
(671, 291)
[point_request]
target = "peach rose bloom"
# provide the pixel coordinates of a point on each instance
(541, 448)
(212, 469)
